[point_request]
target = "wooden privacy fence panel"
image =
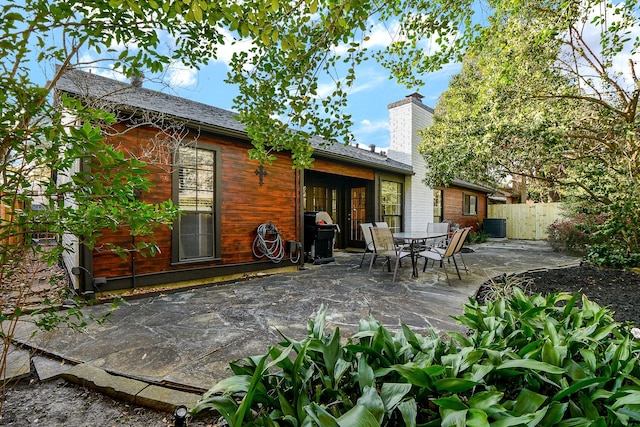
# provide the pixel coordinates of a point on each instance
(527, 221)
(10, 233)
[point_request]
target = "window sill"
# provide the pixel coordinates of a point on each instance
(196, 261)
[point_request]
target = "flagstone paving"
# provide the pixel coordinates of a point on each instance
(184, 340)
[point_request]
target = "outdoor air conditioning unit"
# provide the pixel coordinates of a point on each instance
(495, 227)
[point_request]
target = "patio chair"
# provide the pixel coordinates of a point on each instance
(438, 227)
(384, 245)
(445, 254)
(368, 240)
(458, 249)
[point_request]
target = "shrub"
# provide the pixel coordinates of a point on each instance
(477, 237)
(571, 235)
(616, 241)
(526, 361)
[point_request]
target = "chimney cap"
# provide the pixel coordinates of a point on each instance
(137, 79)
(415, 95)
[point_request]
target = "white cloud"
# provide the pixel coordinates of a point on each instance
(92, 64)
(178, 75)
(366, 126)
(382, 34)
(368, 132)
(365, 80)
(225, 52)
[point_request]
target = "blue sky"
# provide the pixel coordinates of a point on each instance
(368, 100)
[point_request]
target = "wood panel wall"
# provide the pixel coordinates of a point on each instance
(343, 169)
(453, 207)
(245, 204)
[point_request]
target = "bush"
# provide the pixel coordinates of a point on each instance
(477, 237)
(526, 361)
(571, 235)
(615, 242)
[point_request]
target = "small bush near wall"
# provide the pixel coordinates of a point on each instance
(477, 237)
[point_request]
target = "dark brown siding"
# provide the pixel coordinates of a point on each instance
(245, 205)
(322, 165)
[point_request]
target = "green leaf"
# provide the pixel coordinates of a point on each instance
(577, 386)
(587, 407)
(528, 402)
(530, 364)
(455, 418)
(555, 413)
(371, 400)
(454, 385)
(358, 416)
(230, 385)
(225, 405)
(632, 397)
(248, 399)
(485, 400)
(452, 403)
(366, 377)
(409, 411)
(417, 375)
(477, 418)
(320, 416)
(393, 393)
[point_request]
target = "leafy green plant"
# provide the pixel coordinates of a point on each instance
(571, 235)
(615, 242)
(477, 237)
(526, 361)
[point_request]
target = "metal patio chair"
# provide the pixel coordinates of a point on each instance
(447, 253)
(368, 240)
(384, 245)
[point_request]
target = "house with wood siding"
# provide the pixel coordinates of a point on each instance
(197, 157)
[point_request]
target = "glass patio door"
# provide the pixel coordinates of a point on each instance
(357, 215)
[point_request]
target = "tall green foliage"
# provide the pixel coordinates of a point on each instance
(546, 98)
(537, 361)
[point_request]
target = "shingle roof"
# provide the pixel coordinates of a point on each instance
(131, 98)
(472, 186)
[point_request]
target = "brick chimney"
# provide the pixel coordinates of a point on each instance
(136, 80)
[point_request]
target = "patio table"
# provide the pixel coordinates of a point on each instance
(415, 239)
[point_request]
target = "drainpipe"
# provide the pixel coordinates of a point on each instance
(133, 262)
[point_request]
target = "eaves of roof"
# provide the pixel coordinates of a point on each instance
(359, 156)
(195, 114)
(473, 186)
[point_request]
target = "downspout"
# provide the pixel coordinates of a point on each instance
(133, 262)
(300, 214)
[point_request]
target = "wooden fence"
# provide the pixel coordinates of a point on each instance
(10, 234)
(527, 221)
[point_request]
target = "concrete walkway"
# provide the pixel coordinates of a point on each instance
(183, 341)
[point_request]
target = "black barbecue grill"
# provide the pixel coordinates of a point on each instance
(318, 237)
